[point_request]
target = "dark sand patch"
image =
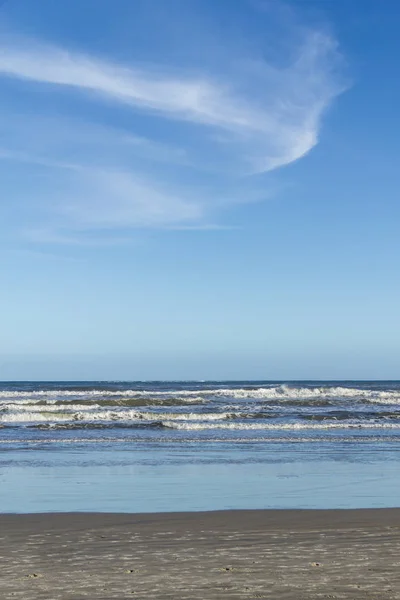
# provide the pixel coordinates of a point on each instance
(298, 555)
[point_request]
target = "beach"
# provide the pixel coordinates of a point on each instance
(291, 554)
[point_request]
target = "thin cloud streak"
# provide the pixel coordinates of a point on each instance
(196, 100)
(120, 200)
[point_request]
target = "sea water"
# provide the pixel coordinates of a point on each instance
(171, 446)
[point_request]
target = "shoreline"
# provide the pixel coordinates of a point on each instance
(293, 554)
(280, 517)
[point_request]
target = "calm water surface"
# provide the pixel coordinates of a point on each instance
(166, 446)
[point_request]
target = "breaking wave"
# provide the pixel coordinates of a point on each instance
(282, 393)
(90, 415)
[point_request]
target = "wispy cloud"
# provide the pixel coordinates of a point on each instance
(254, 119)
(122, 200)
(276, 119)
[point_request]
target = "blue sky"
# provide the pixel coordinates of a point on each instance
(199, 190)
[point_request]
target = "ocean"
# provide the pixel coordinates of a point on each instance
(121, 446)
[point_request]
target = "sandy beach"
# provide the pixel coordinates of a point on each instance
(299, 554)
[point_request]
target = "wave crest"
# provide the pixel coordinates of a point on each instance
(282, 393)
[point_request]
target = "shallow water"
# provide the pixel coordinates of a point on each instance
(143, 447)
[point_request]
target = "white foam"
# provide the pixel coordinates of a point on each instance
(51, 408)
(211, 440)
(275, 427)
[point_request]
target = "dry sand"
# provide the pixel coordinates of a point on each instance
(232, 554)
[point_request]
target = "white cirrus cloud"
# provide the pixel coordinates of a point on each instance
(271, 123)
(193, 139)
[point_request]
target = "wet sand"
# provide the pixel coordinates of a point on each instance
(299, 555)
